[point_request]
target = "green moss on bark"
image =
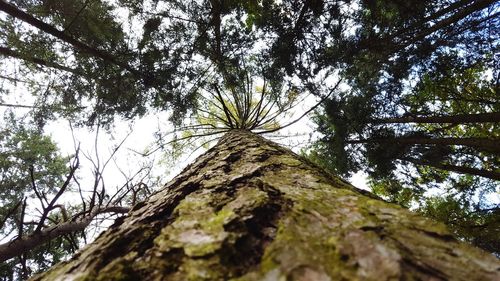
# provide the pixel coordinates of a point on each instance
(251, 210)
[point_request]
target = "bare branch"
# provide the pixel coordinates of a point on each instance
(66, 183)
(305, 113)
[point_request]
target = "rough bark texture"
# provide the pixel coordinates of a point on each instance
(251, 210)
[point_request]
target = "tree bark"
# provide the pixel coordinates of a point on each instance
(493, 117)
(251, 210)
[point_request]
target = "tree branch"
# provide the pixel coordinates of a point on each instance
(457, 169)
(15, 54)
(26, 243)
(21, 15)
(493, 117)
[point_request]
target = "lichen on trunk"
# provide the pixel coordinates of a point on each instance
(249, 209)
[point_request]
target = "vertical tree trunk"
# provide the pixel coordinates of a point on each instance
(251, 210)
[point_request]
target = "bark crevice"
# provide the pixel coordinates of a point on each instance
(257, 232)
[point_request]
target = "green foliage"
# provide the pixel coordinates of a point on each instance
(72, 83)
(24, 149)
(476, 225)
(395, 192)
(402, 171)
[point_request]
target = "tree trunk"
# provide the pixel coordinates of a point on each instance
(493, 117)
(457, 169)
(483, 144)
(251, 210)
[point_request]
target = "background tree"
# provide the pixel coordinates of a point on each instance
(430, 103)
